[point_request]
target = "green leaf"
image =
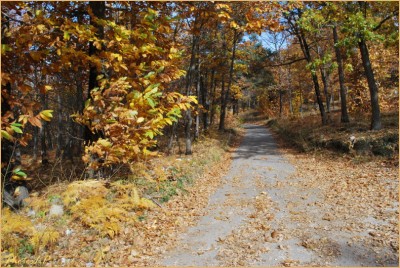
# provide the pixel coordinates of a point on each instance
(16, 129)
(21, 174)
(150, 90)
(87, 103)
(66, 35)
(151, 102)
(133, 113)
(149, 74)
(16, 169)
(159, 70)
(149, 134)
(6, 135)
(5, 48)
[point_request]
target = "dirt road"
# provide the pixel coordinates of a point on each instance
(263, 215)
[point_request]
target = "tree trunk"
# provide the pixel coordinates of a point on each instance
(198, 91)
(324, 79)
(171, 138)
(280, 102)
(306, 51)
(235, 107)
(35, 143)
(43, 131)
(376, 123)
(188, 139)
(223, 105)
(344, 118)
(59, 127)
(290, 92)
(307, 54)
(205, 101)
(98, 8)
(197, 125)
(228, 90)
(212, 97)
(188, 113)
(6, 145)
(301, 104)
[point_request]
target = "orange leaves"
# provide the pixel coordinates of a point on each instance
(35, 121)
(138, 62)
(9, 129)
(129, 120)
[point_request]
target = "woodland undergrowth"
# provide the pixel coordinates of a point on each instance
(355, 138)
(77, 222)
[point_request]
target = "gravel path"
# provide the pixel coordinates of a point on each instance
(263, 216)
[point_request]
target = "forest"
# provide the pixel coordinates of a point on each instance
(110, 110)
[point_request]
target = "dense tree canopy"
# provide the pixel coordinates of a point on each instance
(98, 97)
(103, 80)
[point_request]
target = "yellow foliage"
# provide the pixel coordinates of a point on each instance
(99, 214)
(17, 228)
(128, 197)
(80, 190)
(37, 203)
(45, 238)
(145, 203)
(104, 209)
(14, 223)
(8, 258)
(160, 173)
(14, 227)
(140, 170)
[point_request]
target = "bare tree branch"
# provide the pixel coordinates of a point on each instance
(396, 12)
(286, 63)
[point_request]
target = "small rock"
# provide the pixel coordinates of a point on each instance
(56, 210)
(89, 264)
(134, 253)
(31, 213)
(69, 232)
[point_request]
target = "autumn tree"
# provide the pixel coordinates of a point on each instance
(364, 20)
(293, 17)
(129, 67)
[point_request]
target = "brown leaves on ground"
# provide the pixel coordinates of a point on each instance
(245, 245)
(359, 195)
(141, 240)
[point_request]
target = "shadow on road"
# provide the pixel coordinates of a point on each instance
(258, 141)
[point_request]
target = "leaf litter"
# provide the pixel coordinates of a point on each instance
(327, 196)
